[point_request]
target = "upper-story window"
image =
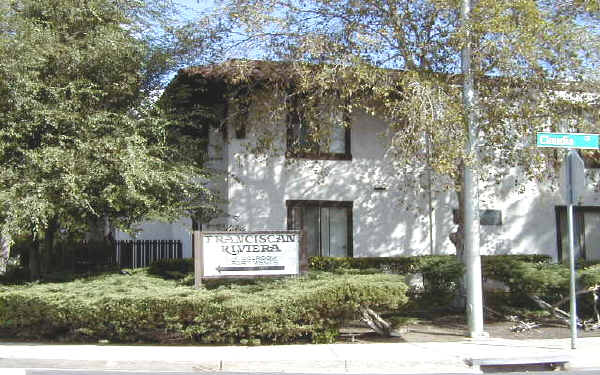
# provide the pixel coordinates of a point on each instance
(326, 136)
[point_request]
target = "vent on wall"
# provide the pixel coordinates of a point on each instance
(486, 217)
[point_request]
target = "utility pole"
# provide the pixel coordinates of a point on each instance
(471, 256)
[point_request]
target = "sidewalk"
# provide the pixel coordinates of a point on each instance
(405, 358)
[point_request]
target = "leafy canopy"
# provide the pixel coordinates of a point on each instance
(534, 63)
(79, 136)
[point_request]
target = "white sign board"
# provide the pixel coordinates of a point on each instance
(241, 254)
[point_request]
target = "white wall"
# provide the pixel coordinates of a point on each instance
(382, 224)
(392, 222)
(157, 230)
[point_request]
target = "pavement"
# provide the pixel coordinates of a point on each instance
(373, 358)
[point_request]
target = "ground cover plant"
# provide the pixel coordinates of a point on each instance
(143, 308)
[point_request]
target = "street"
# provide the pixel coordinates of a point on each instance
(112, 372)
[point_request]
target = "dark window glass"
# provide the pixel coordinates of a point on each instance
(327, 226)
(314, 142)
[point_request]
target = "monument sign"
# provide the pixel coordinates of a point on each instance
(246, 254)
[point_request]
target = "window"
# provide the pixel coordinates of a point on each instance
(586, 228)
(327, 226)
(238, 110)
(308, 141)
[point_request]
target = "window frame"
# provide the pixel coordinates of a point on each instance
(348, 205)
(294, 116)
(577, 211)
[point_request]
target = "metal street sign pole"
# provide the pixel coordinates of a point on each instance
(573, 305)
(575, 182)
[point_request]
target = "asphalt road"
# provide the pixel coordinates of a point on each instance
(86, 372)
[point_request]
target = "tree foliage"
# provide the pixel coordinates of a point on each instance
(405, 56)
(80, 137)
(534, 63)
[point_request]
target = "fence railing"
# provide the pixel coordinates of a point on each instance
(140, 253)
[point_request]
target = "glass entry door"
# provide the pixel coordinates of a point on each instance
(327, 226)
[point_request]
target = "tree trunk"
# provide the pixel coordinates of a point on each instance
(34, 260)
(377, 323)
(457, 237)
(99, 229)
(4, 253)
(48, 253)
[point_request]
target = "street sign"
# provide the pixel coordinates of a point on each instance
(572, 188)
(572, 178)
(568, 140)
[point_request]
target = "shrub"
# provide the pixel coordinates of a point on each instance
(401, 265)
(499, 267)
(547, 280)
(441, 273)
(134, 308)
(172, 268)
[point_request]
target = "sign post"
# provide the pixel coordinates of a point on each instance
(574, 181)
(573, 187)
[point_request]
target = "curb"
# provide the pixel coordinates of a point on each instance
(18, 366)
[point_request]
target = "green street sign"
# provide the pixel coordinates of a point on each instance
(568, 140)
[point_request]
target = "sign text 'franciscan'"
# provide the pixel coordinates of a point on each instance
(250, 243)
(250, 253)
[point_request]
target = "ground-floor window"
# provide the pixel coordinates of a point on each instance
(586, 227)
(327, 225)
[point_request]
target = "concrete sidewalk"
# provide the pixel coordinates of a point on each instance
(406, 358)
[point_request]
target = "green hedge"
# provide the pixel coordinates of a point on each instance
(545, 279)
(122, 308)
(441, 273)
(413, 264)
(171, 268)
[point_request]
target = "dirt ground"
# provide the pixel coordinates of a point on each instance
(454, 328)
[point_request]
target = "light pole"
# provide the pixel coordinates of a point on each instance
(472, 258)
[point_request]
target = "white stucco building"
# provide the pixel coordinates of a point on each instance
(352, 201)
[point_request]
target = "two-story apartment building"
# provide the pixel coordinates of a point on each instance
(349, 195)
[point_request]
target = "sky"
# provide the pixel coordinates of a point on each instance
(194, 6)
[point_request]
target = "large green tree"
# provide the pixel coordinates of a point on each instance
(81, 140)
(531, 67)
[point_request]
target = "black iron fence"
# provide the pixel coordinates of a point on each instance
(140, 253)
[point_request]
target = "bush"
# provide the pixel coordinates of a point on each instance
(134, 308)
(172, 268)
(499, 267)
(400, 265)
(547, 280)
(441, 273)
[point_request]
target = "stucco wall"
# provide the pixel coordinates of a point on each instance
(388, 222)
(393, 221)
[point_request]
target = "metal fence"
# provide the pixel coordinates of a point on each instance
(140, 253)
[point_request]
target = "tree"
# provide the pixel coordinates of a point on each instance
(531, 63)
(81, 139)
